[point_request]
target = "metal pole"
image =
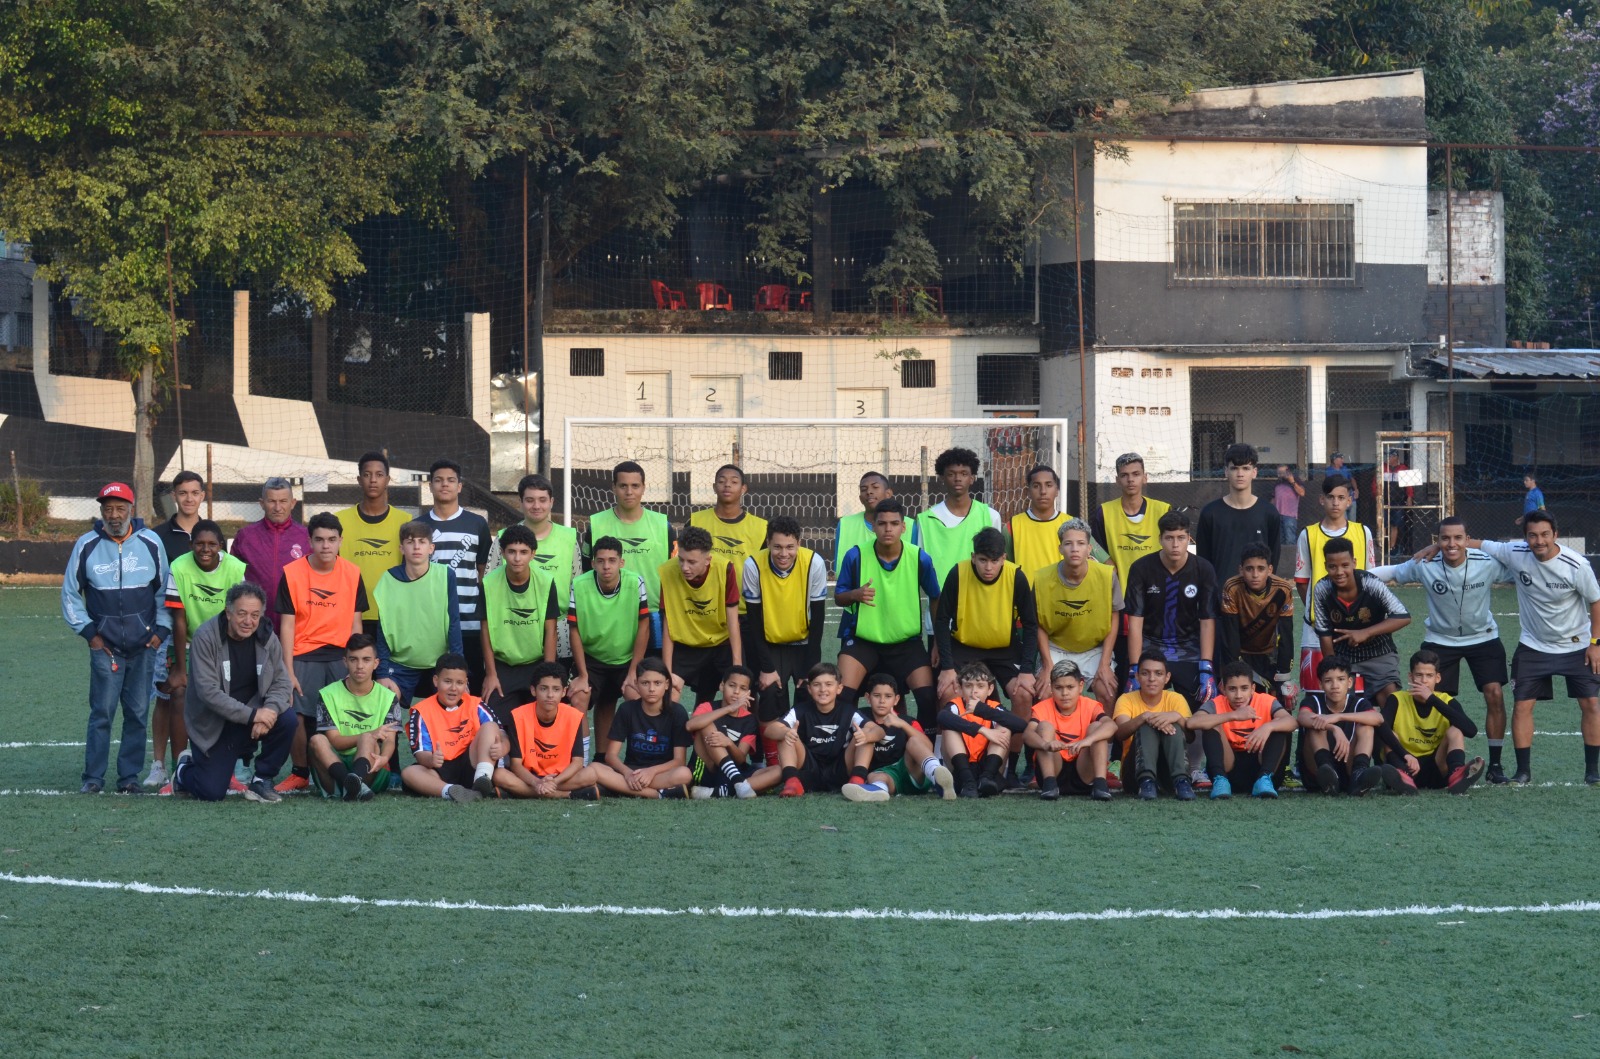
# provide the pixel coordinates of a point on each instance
(539, 305)
(210, 512)
(1449, 296)
(16, 491)
(172, 318)
(527, 443)
(1083, 371)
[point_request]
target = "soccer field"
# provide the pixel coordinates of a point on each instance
(1327, 927)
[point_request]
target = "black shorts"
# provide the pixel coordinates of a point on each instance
(818, 777)
(702, 668)
(1531, 673)
(1002, 665)
(458, 770)
(1184, 678)
(516, 689)
(1487, 660)
(1429, 777)
(605, 684)
(1070, 782)
(898, 660)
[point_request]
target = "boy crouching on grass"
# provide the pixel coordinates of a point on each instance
(1151, 722)
(358, 727)
(1341, 727)
(546, 753)
(976, 733)
(454, 739)
(1245, 734)
(1431, 731)
(1071, 737)
(889, 754)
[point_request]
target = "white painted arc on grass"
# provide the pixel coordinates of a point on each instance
(1109, 915)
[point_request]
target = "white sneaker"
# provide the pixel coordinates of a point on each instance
(158, 775)
(744, 790)
(701, 794)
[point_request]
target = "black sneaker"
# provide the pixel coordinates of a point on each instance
(1522, 776)
(970, 790)
(988, 787)
(1592, 778)
(1328, 779)
(484, 785)
(260, 790)
(1183, 789)
(90, 787)
(1013, 785)
(1100, 791)
(680, 791)
(1147, 790)
(130, 788)
(585, 794)
(1496, 774)
(1367, 780)
(1050, 791)
(353, 786)
(462, 795)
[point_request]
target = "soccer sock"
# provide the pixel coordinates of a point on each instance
(1011, 762)
(858, 774)
(790, 773)
(731, 770)
(445, 794)
(1211, 741)
(1523, 754)
(1495, 747)
(927, 708)
(1359, 762)
(337, 772)
(1323, 757)
(303, 771)
(361, 768)
(1455, 759)
(930, 765)
(992, 763)
(962, 767)
(587, 746)
(485, 768)
(1591, 759)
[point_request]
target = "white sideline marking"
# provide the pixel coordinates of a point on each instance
(758, 912)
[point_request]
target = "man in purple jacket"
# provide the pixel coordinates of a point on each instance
(266, 547)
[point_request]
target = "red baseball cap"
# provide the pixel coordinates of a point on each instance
(116, 491)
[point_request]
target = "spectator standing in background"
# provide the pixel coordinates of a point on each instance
(1533, 500)
(1286, 494)
(273, 543)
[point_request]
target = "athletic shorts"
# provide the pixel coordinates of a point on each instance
(313, 677)
(1532, 670)
(1184, 678)
(516, 689)
(905, 780)
(605, 684)
(1486, 660)
(1429, 777)
(1376, 672)
(458, 770)
(378, 779)
(899, 660)
(821, 778)
(702, 668)
(1088, 662)
(1070, 782)
(1311, 658)
(1001, 665)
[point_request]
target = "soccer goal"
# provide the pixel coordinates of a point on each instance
(808, 469)
(1417, 490)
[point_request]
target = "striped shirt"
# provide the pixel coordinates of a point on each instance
(1458, 596)
(1553, 598)
(1172, 604)
(461, 542)
(1374, 603)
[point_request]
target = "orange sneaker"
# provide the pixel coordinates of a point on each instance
(793, 788)
(289, 786)
(235, 787)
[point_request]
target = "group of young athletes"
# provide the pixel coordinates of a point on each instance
(977, 654)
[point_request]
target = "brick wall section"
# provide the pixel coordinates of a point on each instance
(1478, 260)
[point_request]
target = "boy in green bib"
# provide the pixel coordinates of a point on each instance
(520, 612)
(421, 615)
(948, 528)
(557, 553)
(198, 583)
(609, 614)
(855, 531)
(358, 725)
(646, 536)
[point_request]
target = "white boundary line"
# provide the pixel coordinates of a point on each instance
(760, 912)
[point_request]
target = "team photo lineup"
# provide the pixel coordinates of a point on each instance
(1142, 653)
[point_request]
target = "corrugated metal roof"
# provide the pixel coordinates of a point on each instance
(1540, 363)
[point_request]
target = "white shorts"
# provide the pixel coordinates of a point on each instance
(1088, 661)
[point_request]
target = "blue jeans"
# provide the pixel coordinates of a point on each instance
(129, 685)
(1288, 532)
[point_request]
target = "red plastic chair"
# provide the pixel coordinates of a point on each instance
(805, 300)
(773, 298)
(714, 296)
(666, 297)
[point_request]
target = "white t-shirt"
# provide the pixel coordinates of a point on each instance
(1553, 598)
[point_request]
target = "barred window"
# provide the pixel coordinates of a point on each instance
(583, 361)
(1264, 242)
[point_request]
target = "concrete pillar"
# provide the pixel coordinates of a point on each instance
(319, 357)
(41, 327)
(478, 368)
(1316, 415)
(241, 344)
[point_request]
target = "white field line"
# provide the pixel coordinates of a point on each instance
(1109, 915)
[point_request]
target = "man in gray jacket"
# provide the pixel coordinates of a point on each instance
(237, 703)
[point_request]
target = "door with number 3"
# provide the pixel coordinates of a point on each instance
(860, 449)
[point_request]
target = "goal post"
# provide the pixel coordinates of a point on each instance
(1420, 491)
(809, 469)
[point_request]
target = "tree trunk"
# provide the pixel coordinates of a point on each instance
(144, 455)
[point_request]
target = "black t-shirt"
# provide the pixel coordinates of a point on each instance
(649, 741)
(552, 607)
(242, 682)
(174, 539)
(1223, 532)
(891, 748)
(1172, 605)
(825, 734)
(731, 725)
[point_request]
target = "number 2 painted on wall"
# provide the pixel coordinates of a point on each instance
(711, 393)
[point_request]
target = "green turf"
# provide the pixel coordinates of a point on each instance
(113, 973)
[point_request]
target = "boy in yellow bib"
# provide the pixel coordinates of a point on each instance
(1432, 730)
(700, 617)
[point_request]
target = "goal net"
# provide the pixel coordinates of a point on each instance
(807, 469)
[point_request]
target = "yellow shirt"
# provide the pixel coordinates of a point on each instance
(732, 542)
(1133, 705)
(1034, 544)
(373, 546)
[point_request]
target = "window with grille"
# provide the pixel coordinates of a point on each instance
(917, 375)
(784, 365)
(1264, 242)
(586, 362)
(1006, 379)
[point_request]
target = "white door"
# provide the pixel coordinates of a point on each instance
(650, 397)
(702, 449)
(860, 449)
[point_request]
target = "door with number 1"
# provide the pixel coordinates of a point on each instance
(650, 397)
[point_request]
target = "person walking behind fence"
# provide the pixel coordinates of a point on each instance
(1286, 494)
(1533, 500)
(114, 596)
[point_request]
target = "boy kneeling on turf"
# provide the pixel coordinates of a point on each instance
(454, 738)
(649, 737)
(724, 734)
(1340, 727)
(888, 754)
(358, 725)
(1150, 725)
(1071, 738)
(975, 734)
(1432, 732)
(1245, 734)
(546, 754)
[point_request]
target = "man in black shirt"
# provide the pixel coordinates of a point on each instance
(461, 542)
(188, 490)
(1230, 523)
(1171, 606)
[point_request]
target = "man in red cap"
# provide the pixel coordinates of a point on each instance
(113, 595)
(266, 547)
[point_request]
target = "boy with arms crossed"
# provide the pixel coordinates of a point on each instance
(1072, 737)
(358, 723)
(1245, 734)
(976, 735)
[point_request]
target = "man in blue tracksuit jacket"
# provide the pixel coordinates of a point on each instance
(113, 595)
